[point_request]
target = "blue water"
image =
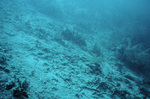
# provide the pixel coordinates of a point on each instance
(75, 49)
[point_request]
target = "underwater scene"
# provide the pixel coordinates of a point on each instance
(74, 49)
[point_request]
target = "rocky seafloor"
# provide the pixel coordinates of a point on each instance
(44, 58)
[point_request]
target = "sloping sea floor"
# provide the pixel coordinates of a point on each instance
(32, 50)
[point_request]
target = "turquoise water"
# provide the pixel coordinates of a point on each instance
(74, 49)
